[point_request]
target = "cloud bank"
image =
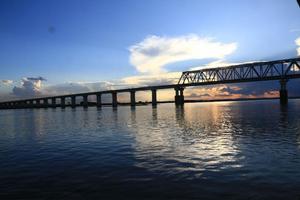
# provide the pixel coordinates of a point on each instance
(76, 87)
(155, 52)
(147, 80)
(30, 87)
(233, 91)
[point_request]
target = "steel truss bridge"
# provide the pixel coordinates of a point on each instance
(281, 70)
(257, 71)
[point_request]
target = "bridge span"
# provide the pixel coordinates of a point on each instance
(281, 70)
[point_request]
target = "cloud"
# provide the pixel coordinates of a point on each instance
(147, 80)
(36, 78)
(233, 91)
(30, 87)
(195, 95)
(6, 82)
(76, 87)
(221, 63)
(81, 87)
(297, 41)
(155, 52)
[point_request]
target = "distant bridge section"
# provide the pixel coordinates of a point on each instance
(257, 71)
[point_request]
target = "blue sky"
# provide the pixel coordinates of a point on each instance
(72, 41)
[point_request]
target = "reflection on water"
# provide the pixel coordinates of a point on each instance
(206, 150)
(181, 143)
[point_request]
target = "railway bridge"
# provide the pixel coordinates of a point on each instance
(281, 70)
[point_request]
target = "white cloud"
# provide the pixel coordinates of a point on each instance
(76, 87)
(145, 80)
(220, 63)
(297, 41)
(6, 82)
(154, 52)
(30, 87)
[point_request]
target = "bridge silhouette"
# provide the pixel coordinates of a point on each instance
(281, 70)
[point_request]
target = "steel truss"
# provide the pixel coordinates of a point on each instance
(256, 71)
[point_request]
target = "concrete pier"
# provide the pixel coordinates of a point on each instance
(38, 103)
(85, 101)
(30, 104)
(283, 92)
(99, 100)
(16, 105)
(45, 103)
(73, 101)
(114, 99)
(179, 97)
(63, 102)
(154, 97)
(132, 98)
(53, 102)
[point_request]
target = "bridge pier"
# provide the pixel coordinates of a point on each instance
(38, 103)
(45, 103)
(283, 92)
(53, 102)
(179, 97)
(154, 97)
(73, 101)
(99, 100)
(132, 98)
(30, 104)
(85, 101)
(20, 105)
(63, 102)
(114, 99)
(25, 104)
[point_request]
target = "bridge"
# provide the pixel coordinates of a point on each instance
(281, 70)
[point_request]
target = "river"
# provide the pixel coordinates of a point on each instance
(217, 150)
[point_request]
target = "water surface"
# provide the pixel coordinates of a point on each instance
(229, 150)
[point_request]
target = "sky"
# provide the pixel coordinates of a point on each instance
(51, 47)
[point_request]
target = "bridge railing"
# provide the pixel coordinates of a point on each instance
(281, 69)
